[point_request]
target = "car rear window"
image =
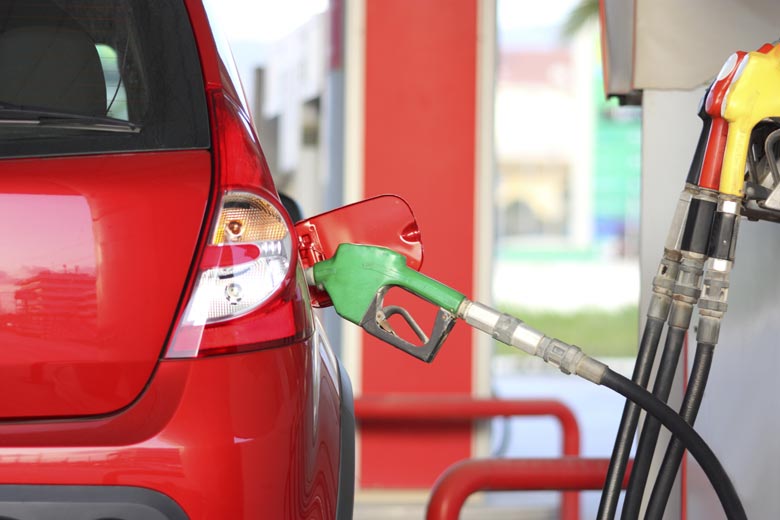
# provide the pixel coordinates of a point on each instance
(95, 76)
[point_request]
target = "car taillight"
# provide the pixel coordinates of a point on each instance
(246, 261)
(248, 291)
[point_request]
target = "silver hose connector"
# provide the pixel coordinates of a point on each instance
(512, 331)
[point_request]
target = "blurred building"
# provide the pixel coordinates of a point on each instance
(288, 86)
(568, 160)
(293, 85)
(568, 176)
(544, 151)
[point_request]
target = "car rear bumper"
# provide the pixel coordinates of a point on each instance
(237, 436)
(79, 502)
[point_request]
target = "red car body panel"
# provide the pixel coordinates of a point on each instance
(249, 435)
(99, 248)
(225, 437)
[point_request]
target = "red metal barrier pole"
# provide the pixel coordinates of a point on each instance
(427, 409)
(412, 408)
(469, 476)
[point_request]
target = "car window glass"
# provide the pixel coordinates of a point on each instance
(76, 72)
(116, 94)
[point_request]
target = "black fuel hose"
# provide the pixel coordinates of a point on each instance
(692, 441)
(675, 336)
(694, 172)
(629, 420)
(700, 371)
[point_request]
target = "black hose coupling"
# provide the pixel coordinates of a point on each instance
(687, 289)
(713, 303)
(698, 224)
(725, 227)
(663, 287)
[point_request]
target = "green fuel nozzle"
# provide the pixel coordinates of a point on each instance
(358, 277)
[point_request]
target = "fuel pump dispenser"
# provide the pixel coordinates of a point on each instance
(740, 131)
(709, 182)
(693, 232)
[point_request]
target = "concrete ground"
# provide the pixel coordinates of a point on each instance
(476, 508)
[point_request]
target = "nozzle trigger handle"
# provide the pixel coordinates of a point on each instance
(374, 323)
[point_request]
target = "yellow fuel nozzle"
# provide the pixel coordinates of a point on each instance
(752, 96)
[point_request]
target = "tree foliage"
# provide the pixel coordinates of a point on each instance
(584, 12)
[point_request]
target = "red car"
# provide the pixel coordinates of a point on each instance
(159, 357)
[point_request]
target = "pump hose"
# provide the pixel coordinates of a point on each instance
(662, 387)
(692, 441)
(700, 371)
(629, 420)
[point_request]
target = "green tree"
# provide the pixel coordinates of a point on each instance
(585, 11)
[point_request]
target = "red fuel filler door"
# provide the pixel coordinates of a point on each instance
(386, 221)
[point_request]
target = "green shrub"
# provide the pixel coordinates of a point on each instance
(600, 333)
